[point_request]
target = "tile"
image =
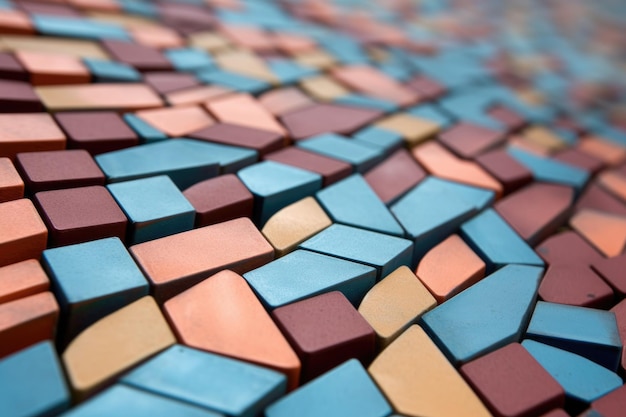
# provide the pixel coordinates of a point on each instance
(485, 316)
(331, 170)
(613, 182)
(353, 202)
(245, 63)
(400, 373)
(29, 133)
(22, 279)
(608, 152)
(71, 27)
(243, 109)
(219, 199)
(596, 198)
(606, 232)
(575, 285)
(468, 140)
(76, 215)
(196, 95)
(210, 381)
(23, 235)
(53, 69)
(96, 132)
(433, 114)
(610, 269)
(41, 391)
(176, 121)
(114, 344)
(16, 23)
(164, 82)
(587, 332)
(275, 185)
(323, 88)
(11, 69)
(394, 303)
(394, 176)
(611, 404)
(361, 157)
(512, 383)
(27, 321)
(344, 390)
(111, 71)
(620, 316)
(281, 101)
(174, 263)
(505, 169)
(141, 57)
(449, 268)
(277, 282)
(11, 184)
(156, 37)
(506, 117)
(316, 58)
(428, 88)
(72, 47)
(579, 159)
(262, 141)
(232, 81)
(189, 59)
(413, 129)
(383, 252)
(288, 71)
(383, 139)
(294, 224)
(496, 242)
(92, 280)
(226, 300)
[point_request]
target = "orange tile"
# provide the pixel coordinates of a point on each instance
(22, 279)
(11, 184)
(98, 5)
(373, 82)
(29, 132)
(175, 263)
(243, 109)
(122, 96)
(27, 321)
(606, 232)
(614, 182)
(290, 43)
(196, 95)
(449, 268)
(23, 235)
(156, 37)
(53, 69)
(283, 100)
(238, 325)
(248, 37)
(442, 163)
(14, 22)
(608, 152)
(177, 121)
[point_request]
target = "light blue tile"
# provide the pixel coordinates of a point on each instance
(583, 380)
(140, 7)
(432, 113)
(234, 81)
(346, 390)
(361, 157)
(111, 71)
(154, 206)
(360, 100)
(303, 274)
(207, 380)
(189, 59)
(486, 316)
(32, 383)
(289, 72)
(145, 131)
(587, 332)
(383, 252)
(386, 140)
(352, 201)
(71, 27)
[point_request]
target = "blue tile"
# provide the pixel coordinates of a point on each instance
(32, 383)
(234, 81)
(346, 390)
(585, 331)
(207, 380)
(111, 71)
(91, 280)
(352, 201)
(276, 185)
(380, 138)
(143, 8)
(185, 161)
(383, 252)
(583, 380)
(154, 206)
(432, 113)
(145, 131)
(359, 100)
(72, 27)
(289, 72)
(230, 158)
(486, 316)
(121, 400)
(496, 242)
(303, 274)
(550, 170)
(361, 157)
(189, 59)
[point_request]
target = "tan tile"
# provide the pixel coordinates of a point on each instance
(177, 121)
(99, 97)
(243, 109)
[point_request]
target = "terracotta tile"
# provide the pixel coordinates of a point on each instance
(613, 182)
(11, 184)
(169, 82)
(323, 88)
(611, 270)
(413, 129)
(596, 198)
(240, 326)
(248, 37)
(23, 235)
(331, 170)
(18, 96)
(440, 162)
(469, 140)
(262, 141)
(156, 37)
(177, 121)
(575, 284)
(567, 248)
(196, 95)
(510, 173)
(281, 101)
(606, 232)
(244, 110)
(27, 321)
(29, 133)
(21, 280)
(96, 132)
(143, 58)
(428, 88)
(608, 152)
(580, 159)
(245, 63)
(175, 263)
(15, 22)
(99, 97)
(375, 83)
(53, 69)
(394, 176)
(612, 404)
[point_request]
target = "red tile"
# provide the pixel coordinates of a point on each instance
(143, 58)
(469, 140)
(330, 169)
(612, 404)
(18, 97)
(508, 117)
(510, 173)
(394, 176)
(594, 197)
(575, 284)
(566, 248)
(168, 82)
(580, 160)
(428, 88)
(612, 270)
(262, 141)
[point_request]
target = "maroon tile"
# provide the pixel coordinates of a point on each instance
(82, 214)
(580, 159)
(18, 97)
(612, 404)
(510, 173)
(428, 88)
(512, 383)
(54, 170)
(186, 18)
(596, 198)
(537, 210)
(168, 82)
(507, 116)
(220, 199)
(575, 284)
(566, 248)
(330, 169)
(96, 132)
(48, 8)
(324, 118)
(469, 140)
(262, 141)
(394, 176)
(325, 331)
(143, 58)
(11, 69)
(612, 270)
(620, 316)
(559, 412)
